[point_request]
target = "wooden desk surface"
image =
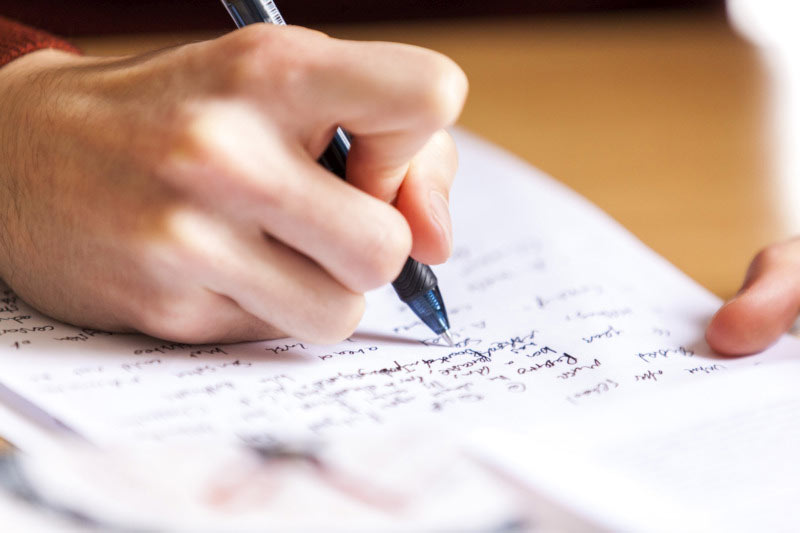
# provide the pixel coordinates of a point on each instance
(660, 119)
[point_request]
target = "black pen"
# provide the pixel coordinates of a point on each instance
(416, 285)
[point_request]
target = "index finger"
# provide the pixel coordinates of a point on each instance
(390, 97)
(395, 111)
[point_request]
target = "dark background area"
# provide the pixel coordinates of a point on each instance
(70, 18)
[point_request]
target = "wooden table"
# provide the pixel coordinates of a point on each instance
(660, 119)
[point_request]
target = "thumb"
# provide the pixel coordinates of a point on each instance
(765, 307)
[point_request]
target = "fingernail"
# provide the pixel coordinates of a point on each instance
(440, 209)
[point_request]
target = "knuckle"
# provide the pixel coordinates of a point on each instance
(276, 57)
(254, 36)
(446, 90)
(253, 52)
(183, 229)
(251, 42)
(201, 159)
(183, 246)
(385, 246)
(192, 140)
(193, 143)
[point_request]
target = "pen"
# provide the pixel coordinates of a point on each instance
(416, 285)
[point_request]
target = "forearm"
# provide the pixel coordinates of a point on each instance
(18, 147)
(16, 41)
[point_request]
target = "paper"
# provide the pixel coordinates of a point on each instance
(553, 306)
(209, 488)
(716, 456)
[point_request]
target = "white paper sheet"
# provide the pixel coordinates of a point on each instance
(714, 456)
(553, 306)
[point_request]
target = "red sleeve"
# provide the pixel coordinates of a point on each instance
(17, 40)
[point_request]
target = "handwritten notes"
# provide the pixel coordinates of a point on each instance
(712, 455)
(553, 306)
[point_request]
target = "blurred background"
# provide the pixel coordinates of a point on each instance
(115, 16)
(671, 115)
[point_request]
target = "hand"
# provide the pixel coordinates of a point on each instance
(764, 308)
(178, 194)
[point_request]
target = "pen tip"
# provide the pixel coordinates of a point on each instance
(445, 336)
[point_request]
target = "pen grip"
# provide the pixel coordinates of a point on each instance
(414, 279)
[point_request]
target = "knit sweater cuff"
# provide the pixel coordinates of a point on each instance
(16, 40)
